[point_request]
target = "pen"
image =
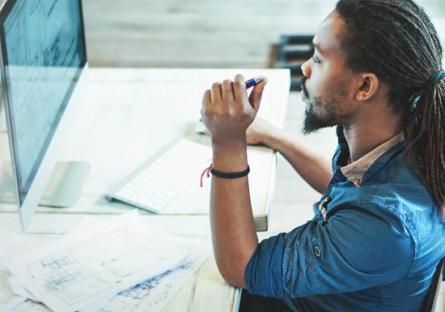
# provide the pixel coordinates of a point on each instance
(253, 82)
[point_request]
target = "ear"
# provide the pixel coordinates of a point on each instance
(368, 85)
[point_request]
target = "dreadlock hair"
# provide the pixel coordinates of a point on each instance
(396, 40)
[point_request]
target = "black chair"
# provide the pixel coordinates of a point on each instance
(429, 302)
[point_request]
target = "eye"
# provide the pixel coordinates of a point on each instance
(316, 59)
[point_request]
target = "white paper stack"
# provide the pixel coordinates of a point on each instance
(105, 266)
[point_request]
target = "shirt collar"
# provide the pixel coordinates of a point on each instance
(355, 171)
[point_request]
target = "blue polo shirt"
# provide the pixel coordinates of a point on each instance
(372, 247)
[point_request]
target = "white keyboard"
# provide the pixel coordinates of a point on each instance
(157, 185)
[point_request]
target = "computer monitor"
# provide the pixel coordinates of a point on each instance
(43, 55)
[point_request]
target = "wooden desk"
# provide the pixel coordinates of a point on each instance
(121, 117)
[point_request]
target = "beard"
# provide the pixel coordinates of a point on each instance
(327, 117)
(313, 122)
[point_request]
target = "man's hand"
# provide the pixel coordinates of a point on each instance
(227, 111)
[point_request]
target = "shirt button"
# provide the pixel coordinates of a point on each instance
(317, 251)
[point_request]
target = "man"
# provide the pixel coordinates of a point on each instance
(378, 233)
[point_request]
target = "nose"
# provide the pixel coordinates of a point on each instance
(306, 68)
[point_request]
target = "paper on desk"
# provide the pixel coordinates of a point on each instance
(78, 270)
(153, 294)
(19, 304)
(23, 299)
(19, 290)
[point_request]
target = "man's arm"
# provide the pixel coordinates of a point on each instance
(355, 248)
(227, 113)
(233, 230)
(313, 168)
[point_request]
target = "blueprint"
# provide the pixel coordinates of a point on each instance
(89, 268)
(19, 304)
(151, 295)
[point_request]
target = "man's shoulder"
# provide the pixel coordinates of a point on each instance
(397, 187)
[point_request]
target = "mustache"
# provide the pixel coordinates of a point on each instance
(303, 87)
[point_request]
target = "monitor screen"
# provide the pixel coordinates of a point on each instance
(43, 50)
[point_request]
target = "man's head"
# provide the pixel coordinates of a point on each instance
(330, 88)
(376, 56)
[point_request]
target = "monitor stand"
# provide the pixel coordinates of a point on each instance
(65, 184)
(64, 187)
